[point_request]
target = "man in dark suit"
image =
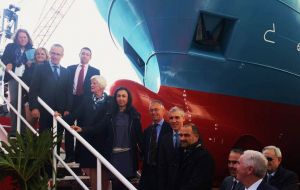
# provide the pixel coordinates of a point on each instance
(50, 83)
(251, 170)
(278, 176)
(152, 137)
(230, 182)
(168, 160)
(196, 169)
(81, 86)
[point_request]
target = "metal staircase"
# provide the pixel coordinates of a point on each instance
(56, 158)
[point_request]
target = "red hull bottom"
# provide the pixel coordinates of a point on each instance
(227, 121)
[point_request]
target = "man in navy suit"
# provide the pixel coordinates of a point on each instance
(81, 86)
(168, 160)
(152, 137)
(278, 176)
(50, 83)
(230, 182)
(251, 170)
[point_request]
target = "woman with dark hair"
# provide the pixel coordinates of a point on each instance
(121, 130)
(125, 136)
(15, 59)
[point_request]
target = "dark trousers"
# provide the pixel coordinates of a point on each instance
(69, 138)
(46, 123)
(148, 179)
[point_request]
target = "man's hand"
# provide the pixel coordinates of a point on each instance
(35, 113)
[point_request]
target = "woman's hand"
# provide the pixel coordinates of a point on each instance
(9, 67)
(57, 114)
(76, 128)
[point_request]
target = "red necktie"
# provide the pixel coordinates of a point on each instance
(79, 88)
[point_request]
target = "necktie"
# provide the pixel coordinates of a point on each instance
(269, 177)
(55, 72)
(153, 146)
(79, 87)
(234, 185)
(176, 140)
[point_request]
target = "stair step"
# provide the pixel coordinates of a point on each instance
(69, 183)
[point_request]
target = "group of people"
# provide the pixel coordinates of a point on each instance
(253, 170)
(172, 153)
(111, 124)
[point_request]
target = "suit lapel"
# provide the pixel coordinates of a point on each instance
(87, 76)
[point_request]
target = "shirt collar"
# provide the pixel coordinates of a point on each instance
(52, 65)
(85, 65)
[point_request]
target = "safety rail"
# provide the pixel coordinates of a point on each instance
(100, 159)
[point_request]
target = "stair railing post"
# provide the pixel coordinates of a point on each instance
(99, 175)
(54, 151)
(19, 108)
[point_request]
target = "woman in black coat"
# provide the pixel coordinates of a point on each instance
(124, 136)
(91, 113)
(41, 55)
(120, 132)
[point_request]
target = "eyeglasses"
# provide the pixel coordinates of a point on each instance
(184, 135)
(269, 159)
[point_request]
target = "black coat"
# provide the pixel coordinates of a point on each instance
(92, 129)
(87, 82)
(27, 78)
(168, 164)
(284, 179)
(57, 94)
(149, 177)
(264, 186)
(196, 170)
(228, 182)
(8, 56)
(135, 128)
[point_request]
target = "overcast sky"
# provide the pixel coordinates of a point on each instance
(82, 26)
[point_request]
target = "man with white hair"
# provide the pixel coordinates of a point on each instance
(152, 138)
(251, 170)
(278, 176)
(169, 150)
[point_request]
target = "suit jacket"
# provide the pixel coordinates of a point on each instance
(91, 71)
(196, 170)
(228, 182)
(264, 186)
(284, 179)
(168, 163)
(57, 94)
(149, 173)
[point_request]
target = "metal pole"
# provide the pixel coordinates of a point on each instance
(54, 152)
(99, 175)
(19, 108)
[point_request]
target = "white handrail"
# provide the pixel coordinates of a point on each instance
(99, 157)
(21, 117)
